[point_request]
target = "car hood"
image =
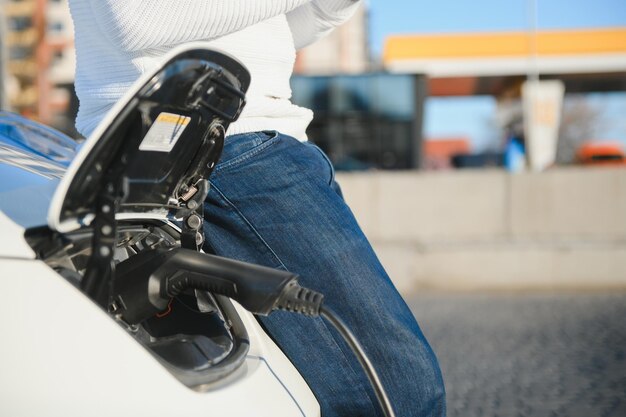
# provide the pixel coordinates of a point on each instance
(33, 158)
(158, 143)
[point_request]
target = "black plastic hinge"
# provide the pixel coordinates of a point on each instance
(98, 280)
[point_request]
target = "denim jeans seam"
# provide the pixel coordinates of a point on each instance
(325, 157)
(249, 223)
(373, 402)
(247, 155)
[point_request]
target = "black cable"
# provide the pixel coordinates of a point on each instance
(294, 298)
(367, 366)
(258, 289)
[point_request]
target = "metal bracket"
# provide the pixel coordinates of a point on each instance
(192, 235)
(192, 196)
(97, 281)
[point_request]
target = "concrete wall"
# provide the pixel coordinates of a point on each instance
(565, 228)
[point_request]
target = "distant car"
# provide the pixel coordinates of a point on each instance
(601, 153)
(71, 214)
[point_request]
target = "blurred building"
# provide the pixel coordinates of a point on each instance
(40, 58)
(365, 121)
(376, 120)
(495, 65)
(343, 51)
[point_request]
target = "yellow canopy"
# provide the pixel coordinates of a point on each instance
(471, 54)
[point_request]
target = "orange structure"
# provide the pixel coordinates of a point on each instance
(475, 63)
(506, 44)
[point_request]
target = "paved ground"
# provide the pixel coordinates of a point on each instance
(529, 355)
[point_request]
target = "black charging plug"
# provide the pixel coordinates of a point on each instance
(146, 282)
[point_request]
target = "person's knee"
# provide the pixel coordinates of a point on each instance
(427, 396)
(435, 396)
(438, 398)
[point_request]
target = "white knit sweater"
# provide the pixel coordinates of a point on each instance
(118, 40)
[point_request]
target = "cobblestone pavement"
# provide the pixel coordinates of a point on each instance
(527, 355)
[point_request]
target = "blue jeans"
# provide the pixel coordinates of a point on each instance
(273, 201)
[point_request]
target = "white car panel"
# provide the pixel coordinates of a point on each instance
(280, 365)
(61, 355)
(13, 244)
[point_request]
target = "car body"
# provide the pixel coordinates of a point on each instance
(601, 154)
(65, 353)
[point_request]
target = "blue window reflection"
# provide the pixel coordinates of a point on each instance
(363, 121)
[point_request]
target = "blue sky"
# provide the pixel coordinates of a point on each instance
(419, 16)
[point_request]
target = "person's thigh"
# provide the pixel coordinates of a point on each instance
(273, 201)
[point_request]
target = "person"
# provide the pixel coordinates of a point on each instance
(273, 199)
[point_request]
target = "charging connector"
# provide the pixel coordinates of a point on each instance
(145, 283)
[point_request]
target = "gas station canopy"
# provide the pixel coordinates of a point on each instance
(491, 63)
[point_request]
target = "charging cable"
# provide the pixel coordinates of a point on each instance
(145, 283)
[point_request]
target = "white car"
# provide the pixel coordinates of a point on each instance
(77, 338)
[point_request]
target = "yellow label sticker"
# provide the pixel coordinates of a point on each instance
(164, 132)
